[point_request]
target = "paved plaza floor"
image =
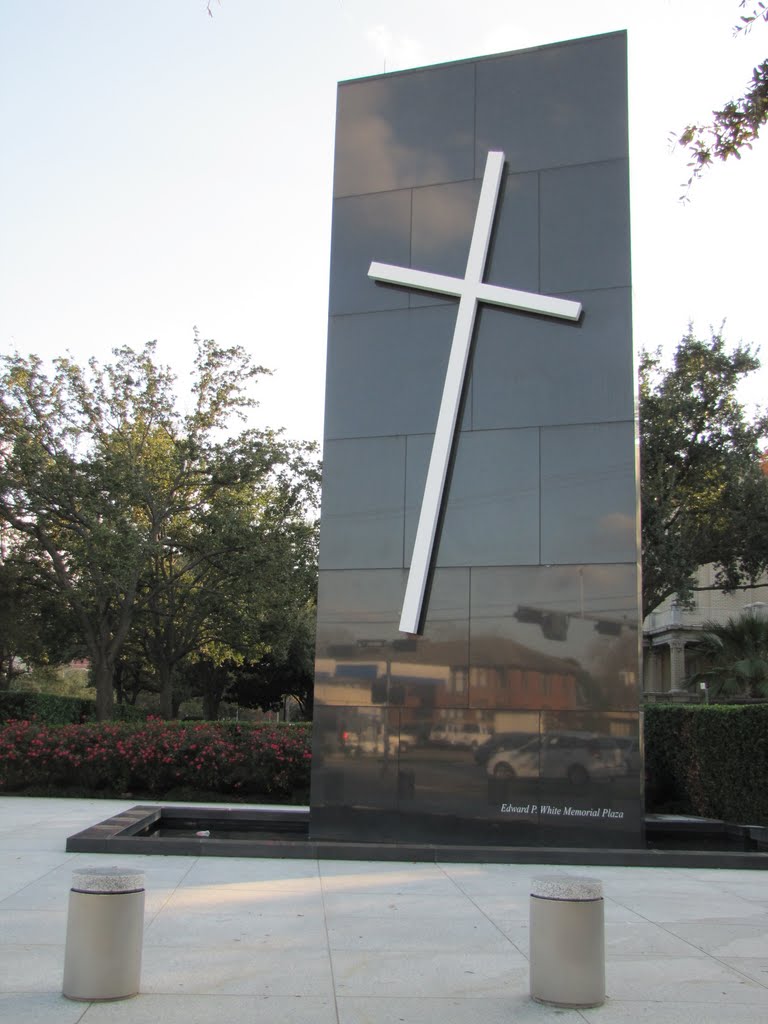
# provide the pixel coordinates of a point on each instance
(349, 942)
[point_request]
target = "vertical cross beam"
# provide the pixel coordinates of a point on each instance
(470, 290)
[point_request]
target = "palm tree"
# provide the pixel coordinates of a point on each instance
(736, 653)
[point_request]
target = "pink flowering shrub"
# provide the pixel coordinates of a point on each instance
(155, 756)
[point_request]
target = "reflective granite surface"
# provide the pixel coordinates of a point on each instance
(513, 717)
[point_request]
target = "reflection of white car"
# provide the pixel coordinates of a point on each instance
(438, 733)
(409, 737)
(459, 734)
(375, 744)
(563, 755)
(469, 734)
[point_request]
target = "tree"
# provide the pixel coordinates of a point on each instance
(736, 126)
(286, 671)
(100, 471)
(36, 625)
(226, 586)
(704, 495)
(736, 655)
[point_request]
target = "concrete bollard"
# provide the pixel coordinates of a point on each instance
(567, 941)
(105, 930)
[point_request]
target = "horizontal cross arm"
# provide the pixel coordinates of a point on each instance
(529, 301)
(410, 278)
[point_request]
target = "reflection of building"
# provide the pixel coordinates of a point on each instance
(671, 632)
(507, 675)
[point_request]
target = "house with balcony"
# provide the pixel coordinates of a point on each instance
(671, 633)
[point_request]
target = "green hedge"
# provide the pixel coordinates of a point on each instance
(156, 758)
(46, 707)
(703, 760)
(55, 710)
(708, 760)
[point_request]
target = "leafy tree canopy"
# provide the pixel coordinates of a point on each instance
(704, 495)
(133, 504)
(736, 126)
(36, 625)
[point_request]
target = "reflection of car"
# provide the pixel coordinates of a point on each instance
(631, 755)
(501, 741)
(438, 734)
(459, 734)
(368, 742)
(409, 737)
(469, 734)
(375, 744)
(573, 756)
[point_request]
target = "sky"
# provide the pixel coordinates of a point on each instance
(161, 170)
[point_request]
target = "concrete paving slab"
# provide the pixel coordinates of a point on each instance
(31, 967)
(224, 971)
(353, 905)
(425, 1010)
(429, 974)
(685, 979)
(660, 1012)
(33, 927)
(206, 1009)
(347, 942)
(398, 877)
(40, 895)
(750, 967)
(252, 871)
(39, 1008)
(667, 906)
(289, 933)
(407, 932)
(725, 937)
(267, 898)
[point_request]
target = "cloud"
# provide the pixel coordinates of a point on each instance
(397, 51)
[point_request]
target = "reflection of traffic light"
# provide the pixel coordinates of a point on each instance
(554, 625)
(526, 614)
(379, 691)
(608, 627)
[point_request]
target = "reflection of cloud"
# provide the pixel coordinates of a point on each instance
(619, 524)
(370, 157)
(369, 154)
(444, 216)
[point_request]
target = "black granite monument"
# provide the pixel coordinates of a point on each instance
(477, 652)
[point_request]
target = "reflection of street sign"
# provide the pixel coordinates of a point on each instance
(406, 643)
(470, 290)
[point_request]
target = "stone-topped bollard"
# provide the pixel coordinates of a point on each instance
(567, 941)
(105, 928)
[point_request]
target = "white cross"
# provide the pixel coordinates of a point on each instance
(470, 290)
